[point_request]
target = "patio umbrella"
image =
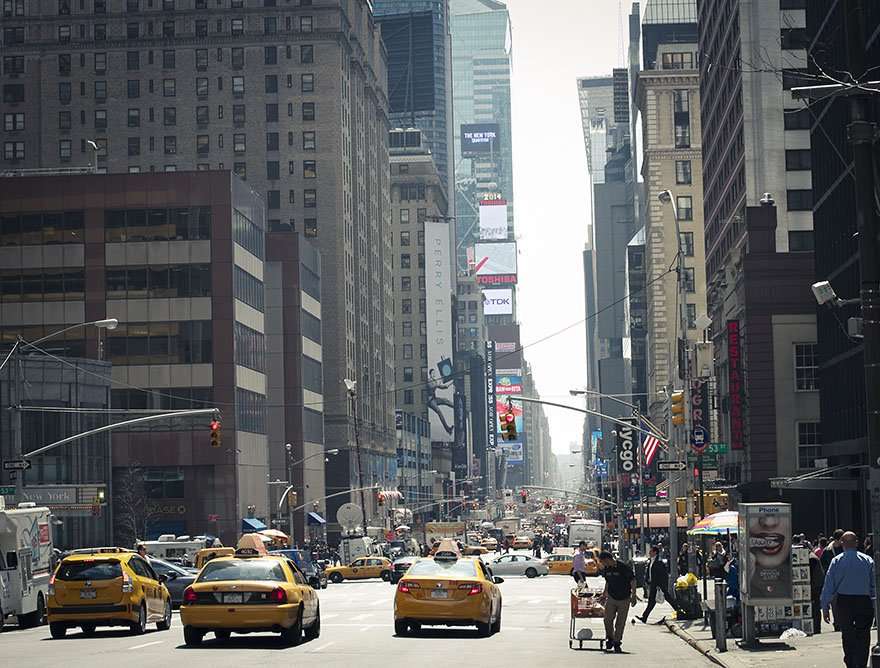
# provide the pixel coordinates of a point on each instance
(718, 524)
(274, 533)
(403, 527)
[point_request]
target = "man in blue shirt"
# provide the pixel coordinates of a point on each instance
(850, 583)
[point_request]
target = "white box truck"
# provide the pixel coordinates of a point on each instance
(586, 530)
(25, 563)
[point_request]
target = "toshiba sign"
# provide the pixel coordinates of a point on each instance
(498, 302)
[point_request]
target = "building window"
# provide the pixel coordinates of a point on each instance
(14, 121)
(308, 140)
(307, 83)
(404, 238)
(202, 87)
(404, 216)
(809, 444)
(203, 144)
(798, 159)
(271, 113)
(237, 58)
(64, 120)
(270, 25)
(250, 411)
(16, 35)
(169, 87)
(310, 199)
(240, 168)
(406, 283)
(100, 119)
(310, 227)
(133, 88)
(306, 23)
(237, 26)
(799, 200)
(202, 117)
(248, 288)
(681, 118)
(308, 111)
(692, 316)
(685, 207)
(794, 38)
(406, 306)
(271, 141)
(797, 119)
(407, 351)
(132, 30)
(134, 145)
(239, 143)
(272, 170)
(273, 199)
(64, 150)
(683, 174)
(63, 93)
(170, 145)
(250, 348)
(238, 86)
(800, 241)
(686, 239)
(238, 114)
(689, 281)
(405, 260)
(806, 367)
(306, 54)
(678, 61)
(100, 91)
(310, 170)
(271, 83)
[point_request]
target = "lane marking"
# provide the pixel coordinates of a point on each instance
(329, 616)
(357, 618)
(147, 644)
(322, 647)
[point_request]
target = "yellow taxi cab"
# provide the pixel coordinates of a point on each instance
(108, 586)
(522, 543)
(250, 593)
(205, 555)
(591, 560)
(490, 544)
(559, 564)
(361, 569)
(448, 590)
(473, 550)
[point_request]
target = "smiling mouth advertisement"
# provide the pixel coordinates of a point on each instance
(766, 538)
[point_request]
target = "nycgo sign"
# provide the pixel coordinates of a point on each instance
(626, 448)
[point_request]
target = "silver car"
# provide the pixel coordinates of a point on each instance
(518, 564)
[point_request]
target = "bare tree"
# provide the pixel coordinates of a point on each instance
(132, 512)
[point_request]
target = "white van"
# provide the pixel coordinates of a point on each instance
(25, 563)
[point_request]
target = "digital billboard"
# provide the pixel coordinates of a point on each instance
(495, 263)
(508, 383)
(479, 139)
(438, 288)
(493, 220)
(498, 301)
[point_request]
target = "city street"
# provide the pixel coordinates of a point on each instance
(357, 630)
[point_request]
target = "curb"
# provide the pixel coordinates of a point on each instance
(690, 640)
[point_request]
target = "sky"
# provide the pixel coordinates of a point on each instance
(555, 42)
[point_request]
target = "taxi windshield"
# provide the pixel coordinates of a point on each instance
(443, 569)
(89, 570)
(242, 569)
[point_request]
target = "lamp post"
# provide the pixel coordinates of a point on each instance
(15, 386)
(290, 485)
(351, 388)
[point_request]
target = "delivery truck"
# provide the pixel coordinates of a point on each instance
(589, 531)
(25, 563)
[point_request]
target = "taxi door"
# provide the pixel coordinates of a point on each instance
(374, 568)
(358, 568)
(148, 581)
(310, 596)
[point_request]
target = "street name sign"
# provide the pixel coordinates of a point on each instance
(671, 466)
(17, 465)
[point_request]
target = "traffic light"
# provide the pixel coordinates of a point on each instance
(380, 499)
(508, 426)
(523, 496)
(215, 433)
(292, 498)
(677, 407)
(681, 506)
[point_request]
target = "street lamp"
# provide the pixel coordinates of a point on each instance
(290, 466)
(351, 388)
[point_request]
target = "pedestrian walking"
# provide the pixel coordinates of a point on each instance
(683, 559)
(579, 565)
(833, 548)
(850, 583)
(817, 581)
(717, 561)
(657, 576)
(619, 596)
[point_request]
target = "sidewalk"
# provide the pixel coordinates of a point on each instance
(821, 650)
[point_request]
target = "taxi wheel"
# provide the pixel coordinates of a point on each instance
(400, 628)
(57, 630)
(484, 629)
(88, 629)
(35, 618)
(386, 575)
(140, 626)
(335, 578)
(293, 635)
(165, 623)
(531, 572)
(192, 637)
(314, 631)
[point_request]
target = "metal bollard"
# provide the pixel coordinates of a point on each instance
(720, 616)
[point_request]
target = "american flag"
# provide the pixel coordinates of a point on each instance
(651, 445)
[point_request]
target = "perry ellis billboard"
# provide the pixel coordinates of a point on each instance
(438, 297)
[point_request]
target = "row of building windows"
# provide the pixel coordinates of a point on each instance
(405, 238)
(175, 224)
(165, 398)
(310, 282)
(38, 285)
(249, 235)
(158, 281)
(312, 374)
(250, 411)
(29, 229)
(310, 326)
(248, 289)
(65, 7)
(406, 306)
(404, 216)
(185, 342)
(250, 348)
(407, 351)
(406, 260)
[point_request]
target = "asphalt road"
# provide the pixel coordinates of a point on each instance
(357, 630)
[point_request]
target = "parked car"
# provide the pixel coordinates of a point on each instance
(518, 564)
(177, 578)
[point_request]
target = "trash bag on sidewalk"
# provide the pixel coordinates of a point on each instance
(687, 603)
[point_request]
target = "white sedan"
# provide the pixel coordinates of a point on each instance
(518, 564)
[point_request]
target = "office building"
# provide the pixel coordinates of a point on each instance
(758, 203)
(416, 37)
(293, 99)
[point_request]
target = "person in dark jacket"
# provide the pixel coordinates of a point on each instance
(817, 581)
(657, 576)
(683, 559)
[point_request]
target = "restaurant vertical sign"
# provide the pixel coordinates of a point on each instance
(735, 384)
(491, 417)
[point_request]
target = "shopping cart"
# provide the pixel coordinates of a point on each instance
(585, 604)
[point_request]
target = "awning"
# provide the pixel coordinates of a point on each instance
(314, 519)
(659, 520)
(251, 525)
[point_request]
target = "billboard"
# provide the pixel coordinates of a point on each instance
(498, 301)
(479, 139)
(493, 220)
(508, 382)
(495, 263)
(491, 418)
(513, 451)
(627, 459)
(438, 296)
(765, 553)
(735, 386)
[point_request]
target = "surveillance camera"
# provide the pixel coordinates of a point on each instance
(824, 293)
(665, 196)
(767, 200)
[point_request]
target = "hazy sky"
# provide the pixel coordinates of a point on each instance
(554, 42)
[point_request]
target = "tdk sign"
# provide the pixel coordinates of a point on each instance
(498, 302)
